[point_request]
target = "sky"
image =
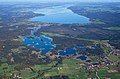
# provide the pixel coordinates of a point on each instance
(59, 0)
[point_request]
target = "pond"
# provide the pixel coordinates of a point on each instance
(68, 51)
(41, 42)
(82, 57)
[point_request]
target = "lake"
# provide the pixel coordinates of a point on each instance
(68, 51)
(41, 42)
(82, 57)
(59, 14)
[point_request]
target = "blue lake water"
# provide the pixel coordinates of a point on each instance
(59, 14)
(82, 57)
(41, 42)
(80, 47)
(88, 60)
(69, 51)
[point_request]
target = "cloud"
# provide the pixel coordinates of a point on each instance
(59, 0)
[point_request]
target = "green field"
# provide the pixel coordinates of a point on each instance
(1, 26)
(114, 58)
(52, 34)
(103, 73)
(113, 28)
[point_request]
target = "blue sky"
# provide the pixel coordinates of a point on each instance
(59, 0)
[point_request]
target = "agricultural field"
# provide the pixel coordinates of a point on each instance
(64, 48)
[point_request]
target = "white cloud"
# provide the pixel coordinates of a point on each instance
(59, 0)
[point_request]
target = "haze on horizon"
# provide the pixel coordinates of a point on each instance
(60, 1)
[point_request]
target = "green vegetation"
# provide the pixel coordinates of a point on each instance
(1, 26)
(6, 70)
(70, 67)
(18, 39)
(103, 73)
(114, 58)
(106, 49)
(52, 34)
(44, 66)
(27, 73)
(97, 37)
(95, 41)
(113, 67)
(3, 59)
(99, 9)
(19, 49)
(97, 21)
(113, 28)
(93, 58)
